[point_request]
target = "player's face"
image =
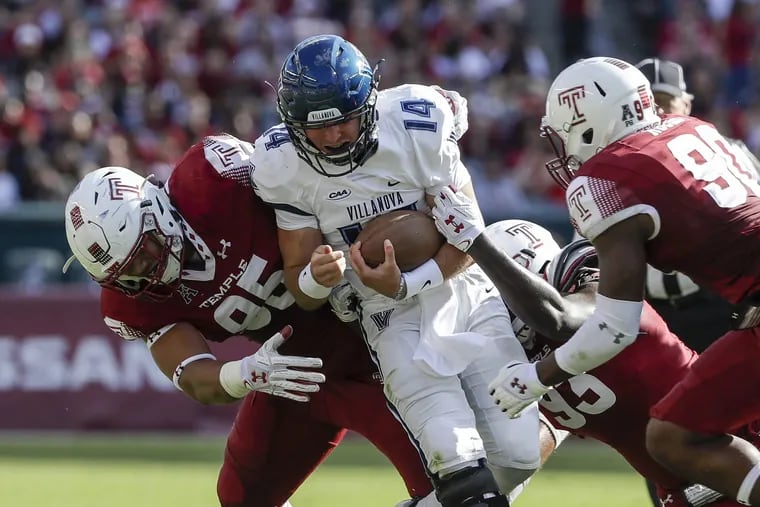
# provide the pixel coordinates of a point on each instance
(673, 105)
(334, 139)
(146, 260)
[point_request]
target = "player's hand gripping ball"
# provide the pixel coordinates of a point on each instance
(413, 234)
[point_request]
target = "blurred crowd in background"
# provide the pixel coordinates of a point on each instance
(88, 83)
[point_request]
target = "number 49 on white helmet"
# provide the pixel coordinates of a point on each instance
(590, 104)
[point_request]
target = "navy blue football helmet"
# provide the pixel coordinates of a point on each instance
(326, 80)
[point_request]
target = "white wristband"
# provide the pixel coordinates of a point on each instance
(422, 278)
(231, 379)
(612, 327)
(310, 286)
(189, 360)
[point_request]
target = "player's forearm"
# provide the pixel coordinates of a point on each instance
(451, 261)
(531, 298)
(304, 301)
(549, 372)
(200, 381)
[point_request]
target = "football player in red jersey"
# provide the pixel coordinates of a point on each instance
(670, 192)
(610, 402)
(198, 260)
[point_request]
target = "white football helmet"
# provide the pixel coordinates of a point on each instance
(592, 103)
(530, 245)
(112, 216)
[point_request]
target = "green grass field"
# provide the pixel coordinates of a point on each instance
(129, 471)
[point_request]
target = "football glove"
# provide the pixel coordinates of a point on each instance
(458, 218)
(516, 387)
(268, 371)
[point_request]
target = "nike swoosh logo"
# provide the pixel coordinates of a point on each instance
(488, 291)
(427, 282)
(393, 183)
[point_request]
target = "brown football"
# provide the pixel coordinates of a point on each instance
(413, 234)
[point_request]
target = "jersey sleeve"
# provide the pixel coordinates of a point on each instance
(134, 319)
(597, 203)
(274, 175)
(230, 157)
(428, 122)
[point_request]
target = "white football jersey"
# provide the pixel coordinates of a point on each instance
(417, 154)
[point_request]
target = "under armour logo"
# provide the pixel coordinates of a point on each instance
(457, 227)
(616, 337)
(668, 499)
(517, 385)
(256, 377)
(225, 246)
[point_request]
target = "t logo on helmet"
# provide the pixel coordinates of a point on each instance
(570, 98)
(118, 189)
(526, 230)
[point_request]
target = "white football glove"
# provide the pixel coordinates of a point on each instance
(458, 106)
(458, 218)
(269, 372)
(343, 302)
(516, 387)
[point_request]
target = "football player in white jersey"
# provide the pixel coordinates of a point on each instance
(345, 154)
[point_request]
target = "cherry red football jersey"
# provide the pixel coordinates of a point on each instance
(702, 197)
(235, 285)
(611, 402)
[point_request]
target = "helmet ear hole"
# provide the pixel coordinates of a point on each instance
(588, 136)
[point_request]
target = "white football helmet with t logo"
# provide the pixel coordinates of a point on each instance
(111, 217)
(591, 104)
(530, 245)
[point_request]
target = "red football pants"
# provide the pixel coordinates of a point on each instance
(719, 393)
(275, 444)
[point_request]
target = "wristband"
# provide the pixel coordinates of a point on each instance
(310, 286)
(231, 379)
(189, 360)
(612, 326)
(422, 278)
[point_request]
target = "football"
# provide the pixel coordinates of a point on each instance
(413, 234)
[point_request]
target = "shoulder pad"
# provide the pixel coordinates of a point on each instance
(230, 156)
(574, 267)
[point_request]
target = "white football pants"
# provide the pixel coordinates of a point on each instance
(451, 417)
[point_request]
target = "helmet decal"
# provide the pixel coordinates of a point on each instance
(99, 254)
(570, 99)
(120, 190)
(76, 217)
